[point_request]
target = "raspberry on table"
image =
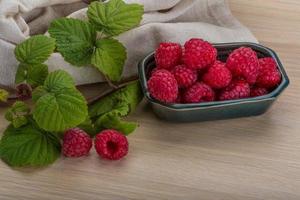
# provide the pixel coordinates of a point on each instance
(111, 144)
(199, 92)
(163, 86)
(218, 76)
(243, 62)
(199, 54)
(238, 89)
(76, 143)
(184, 76)
(269, 75)
(168, 55)
(258, 91)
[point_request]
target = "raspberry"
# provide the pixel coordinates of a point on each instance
(257, 91)
(163, 86)
(76, 143)
(199, 54)
(111, 144)
(243, 62)
(218, 76)
(199, 92)
(238, 89)
(184, 76)
(269, 76)
(168, 55)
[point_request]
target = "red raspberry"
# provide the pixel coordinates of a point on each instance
(269, 76)
(199, 54)
(238, 89)
(218, 76)
(257, 91)
(163, 86)
(184, 76)
(243, 62)
(111, 144)
(168, 55)
(76, 143)
(199, 92)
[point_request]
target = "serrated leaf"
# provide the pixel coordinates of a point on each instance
(112, 120)
(66, 108)
(34, 75)
(59, 79)
(115, 16)
(129, 96)
(75, 40)
(35, 50)
(18, 114)
(3, 95)
(109, 58)
(28, 146)
(38, 93)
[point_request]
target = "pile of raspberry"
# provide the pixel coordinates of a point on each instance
(193, 74)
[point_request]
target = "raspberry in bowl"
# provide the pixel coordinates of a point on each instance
(212, 81)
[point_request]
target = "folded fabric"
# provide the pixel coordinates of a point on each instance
(168, 20)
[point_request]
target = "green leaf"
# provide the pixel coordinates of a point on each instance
(3, 95)
(88, 127)
(127, 97)
(66, 108)
(59, 79)
(34, 75)
(18, 114)
(75, 40)
(112, 120)
(28, 146)
(115, 17)
(109, 58)
(35, 50)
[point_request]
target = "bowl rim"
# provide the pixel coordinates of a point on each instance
(272, 95)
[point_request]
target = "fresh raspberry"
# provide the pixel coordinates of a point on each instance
(184, 76)
(269, 75)
(243, 62)
(76, 143)
(199, 92)
(218, 76)
(111, 144)
(238, 89)
(199, 54)
(163, 86)
(168, 55)
(258, 91)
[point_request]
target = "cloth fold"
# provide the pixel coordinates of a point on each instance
(168, 20)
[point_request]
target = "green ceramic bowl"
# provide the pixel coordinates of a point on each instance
(218, 109)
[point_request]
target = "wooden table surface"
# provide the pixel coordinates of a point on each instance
(250, 158)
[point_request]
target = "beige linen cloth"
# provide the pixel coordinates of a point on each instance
(164, 20)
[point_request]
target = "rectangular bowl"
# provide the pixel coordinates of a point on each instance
(215, 110)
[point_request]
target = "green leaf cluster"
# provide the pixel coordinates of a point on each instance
(18, 114)
(90, 42)
(31, 54)
(108, 112)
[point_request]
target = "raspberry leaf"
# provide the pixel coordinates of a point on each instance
(3, 95)
(35, 50)
(28, 146)
(34, 75)
(112, 120)
(18, 114)
(59, 105)
(114, 17)
(109, 58)
(75, 40)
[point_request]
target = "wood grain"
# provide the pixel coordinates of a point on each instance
(250, 158)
